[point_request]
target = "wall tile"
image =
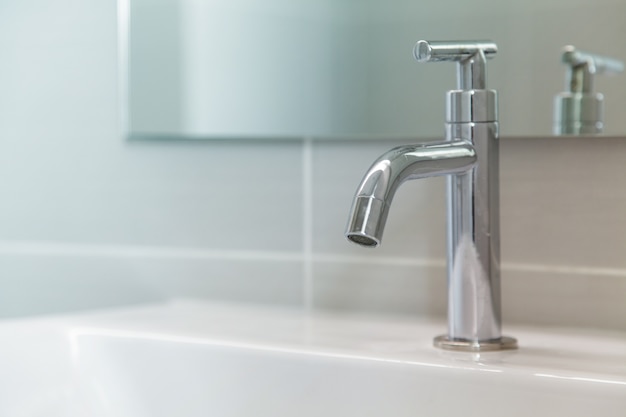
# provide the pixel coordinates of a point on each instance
(564, 299)
(380, 287)
(563, 201)
(237, 196)
(49, 284)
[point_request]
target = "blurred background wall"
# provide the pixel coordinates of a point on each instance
(90, 220)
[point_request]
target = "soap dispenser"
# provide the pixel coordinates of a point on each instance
(579, 110)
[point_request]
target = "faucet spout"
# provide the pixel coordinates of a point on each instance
(373, 197)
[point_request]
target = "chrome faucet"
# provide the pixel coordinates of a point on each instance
(469, 157)
(579, 110)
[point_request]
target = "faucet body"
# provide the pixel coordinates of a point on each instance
(469, 156)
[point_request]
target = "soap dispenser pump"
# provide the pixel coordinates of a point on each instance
(579, 110)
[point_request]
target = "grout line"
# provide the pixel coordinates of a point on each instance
(307, 223)
(134, 251)
(374, 260)
(563, 270)
(30, 248)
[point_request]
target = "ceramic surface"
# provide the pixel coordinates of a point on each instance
(190, 358)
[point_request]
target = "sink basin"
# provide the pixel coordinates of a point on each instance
(190, 358)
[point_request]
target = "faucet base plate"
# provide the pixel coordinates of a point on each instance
(462, 345)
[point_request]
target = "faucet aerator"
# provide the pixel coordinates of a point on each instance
(367, 221)
(362, 240)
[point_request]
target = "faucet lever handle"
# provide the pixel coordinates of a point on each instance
(471, 57)
(440, 51)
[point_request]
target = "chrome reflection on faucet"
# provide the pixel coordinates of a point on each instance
(579, 110)
(469, 156)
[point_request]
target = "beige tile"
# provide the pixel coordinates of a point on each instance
(563, 201)
(564, 299)
(36, 285)
(271, 281)
(213, 195)
(380, 288)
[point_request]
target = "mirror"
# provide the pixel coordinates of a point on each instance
(327, 68)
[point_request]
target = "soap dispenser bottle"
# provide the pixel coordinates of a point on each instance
(579, 110)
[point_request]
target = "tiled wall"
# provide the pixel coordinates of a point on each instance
(88, 220)
(563, 235)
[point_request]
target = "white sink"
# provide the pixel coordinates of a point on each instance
(192, 359)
